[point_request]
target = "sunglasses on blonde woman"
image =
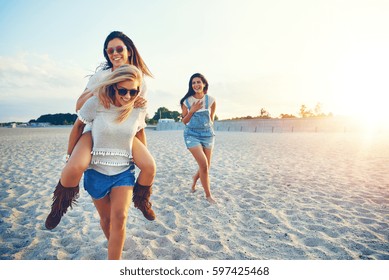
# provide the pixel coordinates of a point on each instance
(118, 49)
(132, 92)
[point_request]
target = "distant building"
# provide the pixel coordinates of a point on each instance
(169, 124)
(165, 120)
(40, 124)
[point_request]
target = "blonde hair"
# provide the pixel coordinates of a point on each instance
(106, 89)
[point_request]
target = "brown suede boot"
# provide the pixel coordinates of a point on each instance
(62, 199)
(141, 198)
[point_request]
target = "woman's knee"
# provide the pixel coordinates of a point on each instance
(203, 167)
(147, 166)
(74, 169)
(105, 222)
(119, 218)
(150, 167)
(81, 165)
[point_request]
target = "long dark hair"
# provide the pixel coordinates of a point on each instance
(134, 57)
(190, 89)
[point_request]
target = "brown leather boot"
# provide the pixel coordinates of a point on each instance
(141, 198)
(62, 199)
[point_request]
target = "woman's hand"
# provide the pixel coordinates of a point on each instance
(196, 106)
(140, 102)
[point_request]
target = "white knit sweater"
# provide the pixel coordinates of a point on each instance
(112, 141)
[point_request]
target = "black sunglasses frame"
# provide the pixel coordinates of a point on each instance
(123, 91)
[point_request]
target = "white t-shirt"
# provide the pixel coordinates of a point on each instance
(112, 141)
(192, 100)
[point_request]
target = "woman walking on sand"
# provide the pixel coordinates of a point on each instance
(110, 178)
(198, 113)
(118, 50)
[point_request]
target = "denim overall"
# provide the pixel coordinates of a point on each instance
(199, 130)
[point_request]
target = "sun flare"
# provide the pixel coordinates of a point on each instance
(369, 113)
(360, 86)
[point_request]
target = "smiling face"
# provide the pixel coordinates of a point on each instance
(121, 100)
(198, 85)
(117, 58)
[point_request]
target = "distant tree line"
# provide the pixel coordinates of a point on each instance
(304, 112)
(313, 113)
(165, 113)
(56, 119)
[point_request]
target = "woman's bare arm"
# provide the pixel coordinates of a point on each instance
(83, 98)
(213, 111)
(75, 135)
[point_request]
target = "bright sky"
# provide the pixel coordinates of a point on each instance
(276, 55)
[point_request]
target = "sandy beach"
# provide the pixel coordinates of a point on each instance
(281, 196)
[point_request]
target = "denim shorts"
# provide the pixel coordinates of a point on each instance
(196, 139)
(99, 185)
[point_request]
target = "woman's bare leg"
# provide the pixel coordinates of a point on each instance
(78, 161)
(202, 160)
(103, 207)
(195, 177)
(208, 154)
(120, 200)
(67, 189)
(145, 162)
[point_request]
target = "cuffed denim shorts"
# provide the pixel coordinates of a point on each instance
(99, 185)
(195, 139)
